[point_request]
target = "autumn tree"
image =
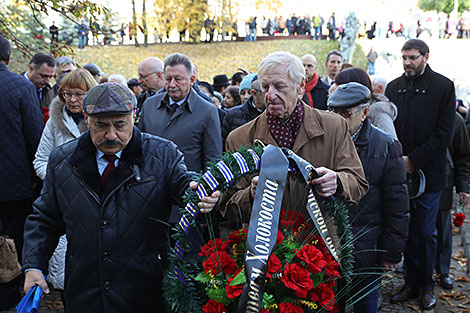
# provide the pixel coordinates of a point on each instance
(446, 6)
(144, 22)
(134, 23)
(20, 23)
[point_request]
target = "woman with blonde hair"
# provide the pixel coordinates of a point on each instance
(66, 123)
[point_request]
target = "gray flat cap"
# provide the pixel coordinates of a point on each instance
(349, 95)
(109, 98)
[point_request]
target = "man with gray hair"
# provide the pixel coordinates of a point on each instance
(182, 116)
(320, 137)
(63, 65)
(118, 79)
(379, 84)
(110, 191)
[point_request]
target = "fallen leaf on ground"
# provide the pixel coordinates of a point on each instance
(462, 278)
(413, 307)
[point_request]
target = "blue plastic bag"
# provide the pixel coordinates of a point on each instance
(30, 302)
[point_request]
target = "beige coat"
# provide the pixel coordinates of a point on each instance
(323, 140)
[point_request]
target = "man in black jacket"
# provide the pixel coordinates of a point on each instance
(426, 111)
(110, 192)
(458, 175)
(380, 220)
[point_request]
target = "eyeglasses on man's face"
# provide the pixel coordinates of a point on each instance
(147, 75)
(411, 57)
(345, 112)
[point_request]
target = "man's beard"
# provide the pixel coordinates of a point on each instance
(415, 71)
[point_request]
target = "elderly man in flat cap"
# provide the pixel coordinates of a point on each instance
(380, 220)
(110, 191)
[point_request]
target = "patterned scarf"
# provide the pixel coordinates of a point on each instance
(312, 83)
(285, 132)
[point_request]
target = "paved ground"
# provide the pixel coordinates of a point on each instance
(456, 300)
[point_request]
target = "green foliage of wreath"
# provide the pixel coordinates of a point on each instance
(192, 296)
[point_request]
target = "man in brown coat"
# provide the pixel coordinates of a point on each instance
(320, 137)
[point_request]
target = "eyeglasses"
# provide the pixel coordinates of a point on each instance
(65, 72)
(145, 76)
(68, 94)
(346, 113)
(411, 57)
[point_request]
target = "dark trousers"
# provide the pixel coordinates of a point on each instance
(366, 282)
(12, 218)
(365, 293)
(421, 247)
(13, 215)
(444, 241)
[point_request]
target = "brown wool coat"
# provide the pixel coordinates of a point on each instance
(323, 140)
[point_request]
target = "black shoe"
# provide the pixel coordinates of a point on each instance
(428, 300)
(446, 282)
(405, 294)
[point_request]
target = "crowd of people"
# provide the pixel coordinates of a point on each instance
(411, 25)
(94, 168)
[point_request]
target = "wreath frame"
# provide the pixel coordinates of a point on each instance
(181, 291)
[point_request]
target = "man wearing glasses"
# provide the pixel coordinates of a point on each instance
(150, 73)
(426, 111)
(179, 114)
(380, 220)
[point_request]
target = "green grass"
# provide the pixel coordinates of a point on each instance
(211, 59)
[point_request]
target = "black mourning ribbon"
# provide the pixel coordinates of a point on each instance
(264, 221)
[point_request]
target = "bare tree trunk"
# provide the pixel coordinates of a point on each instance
(223, 20)
(134, 21)
(144, 23)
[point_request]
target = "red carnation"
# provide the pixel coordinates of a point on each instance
(213, 245)
(324, 295)
(45, 113)
(297, 278)
(292, 218)
(312, 257)
(214, 307)
(237, 236)
(274, 266)
(234, 292)
(280, 237)
(265, 311)
(458, 219)
(286, 307)
(332, 268)
(218, 261)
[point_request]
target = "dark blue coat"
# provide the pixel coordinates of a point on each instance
(21, 125)
(381, 218)
(117, 237)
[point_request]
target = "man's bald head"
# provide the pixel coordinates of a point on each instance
(310, 64)
(151, 74)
